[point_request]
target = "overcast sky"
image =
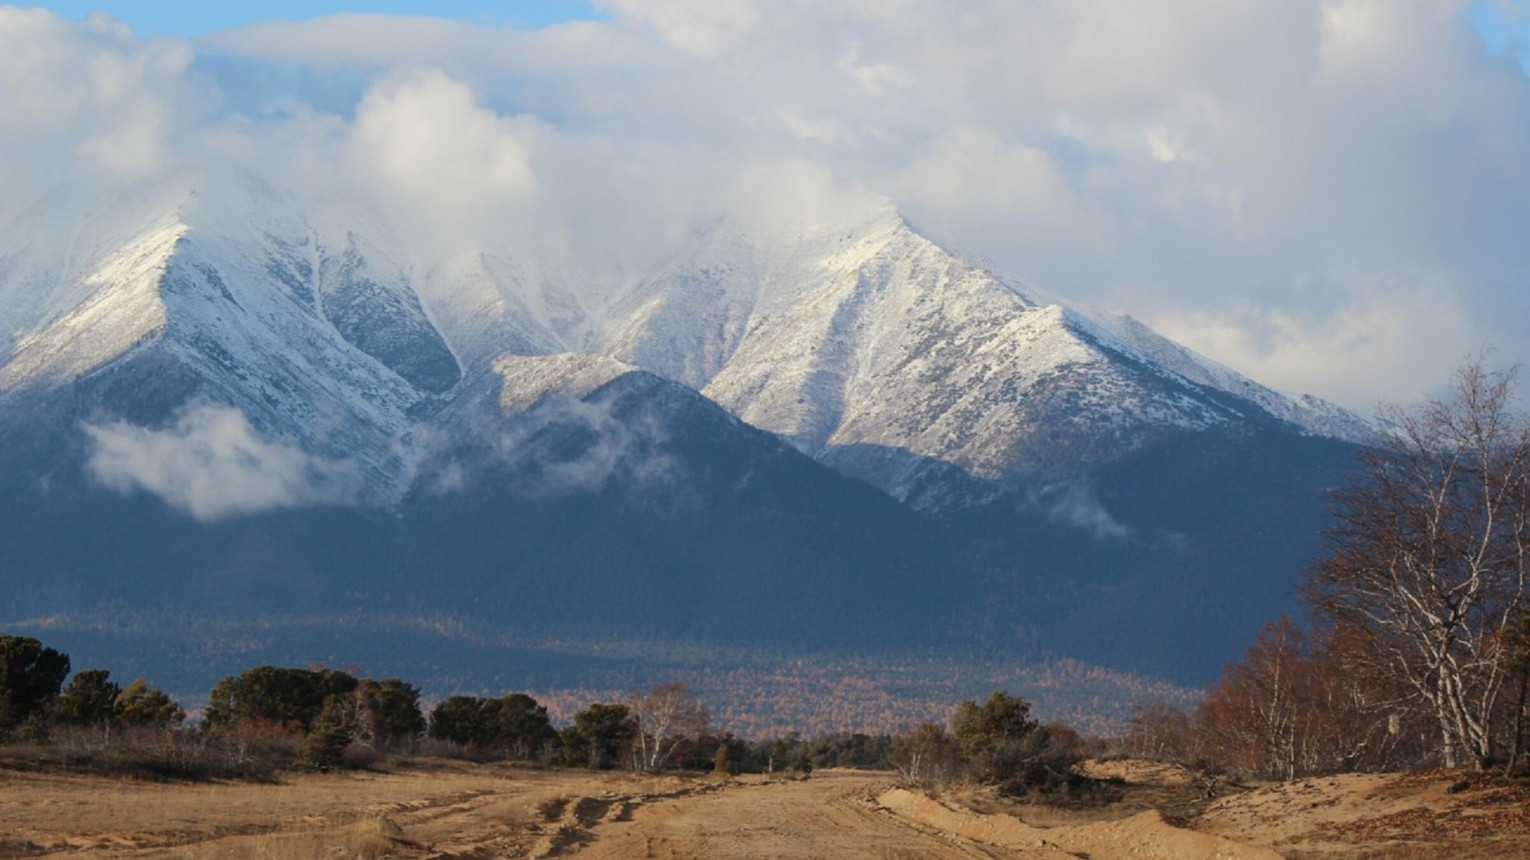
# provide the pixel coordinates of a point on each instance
(1331, 196)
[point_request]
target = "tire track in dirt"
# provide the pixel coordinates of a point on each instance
(557, 823)
(461, 804)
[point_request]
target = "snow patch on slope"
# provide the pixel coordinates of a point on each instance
(527, 380)
(1314, 415)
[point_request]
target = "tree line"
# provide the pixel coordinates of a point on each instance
(317, 717)
(1417, 653)
(270, 718)
(34, 699)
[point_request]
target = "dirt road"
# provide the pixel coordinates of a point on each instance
(831, 815)
(854, 816)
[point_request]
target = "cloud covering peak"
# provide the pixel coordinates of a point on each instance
(1325, 194)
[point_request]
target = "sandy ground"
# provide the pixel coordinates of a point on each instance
(1403, 816)
(455, 810)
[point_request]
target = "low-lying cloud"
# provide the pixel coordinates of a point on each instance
(1075, 506)
(561, 446)
(212, 464)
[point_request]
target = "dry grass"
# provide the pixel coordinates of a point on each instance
(348, 815)
(424, 807)
(158, 754)
(364, 839)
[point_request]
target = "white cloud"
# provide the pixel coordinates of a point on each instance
(1187, 161)
(447, 164)
(1381, 341)
(560, 446)
(968, 169)
(971, 182)
(772, 194)
(707, 28)
(212, 464)
(616, 446)
(89, 99)
(1076, 506)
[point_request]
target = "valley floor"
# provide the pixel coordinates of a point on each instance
(442, 809)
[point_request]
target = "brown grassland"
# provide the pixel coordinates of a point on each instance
(434, 808)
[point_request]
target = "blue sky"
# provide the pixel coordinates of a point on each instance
(199, 17)
(1504, 26)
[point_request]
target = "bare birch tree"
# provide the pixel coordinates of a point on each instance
(1429, 556)
(1301, 704)
(666, 715)
(929, 757)
(1260, 716)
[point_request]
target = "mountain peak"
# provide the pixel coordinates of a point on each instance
(867, 336)
(96, 316)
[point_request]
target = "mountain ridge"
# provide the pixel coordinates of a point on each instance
(472, 434)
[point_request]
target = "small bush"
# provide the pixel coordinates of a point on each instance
(363, 757)
(151, 754)
(722, 763)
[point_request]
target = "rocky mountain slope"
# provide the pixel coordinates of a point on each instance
(888, 357)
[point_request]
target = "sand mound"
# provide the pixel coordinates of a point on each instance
(1146, 836)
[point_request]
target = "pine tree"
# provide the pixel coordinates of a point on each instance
(332, 730)
(89, 700)
(30, 678)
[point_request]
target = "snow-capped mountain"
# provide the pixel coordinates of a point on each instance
(220, 381)
(865, 344)
(316, 338)
(878, 351)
